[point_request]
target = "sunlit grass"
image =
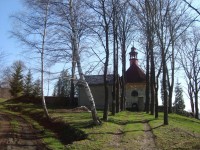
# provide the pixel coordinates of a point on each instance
(121, 131)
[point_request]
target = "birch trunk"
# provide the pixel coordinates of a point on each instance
(77, 58)
(42, 62)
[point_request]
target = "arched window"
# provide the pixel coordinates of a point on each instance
(134, 93)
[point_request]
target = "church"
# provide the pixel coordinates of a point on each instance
(135, 86)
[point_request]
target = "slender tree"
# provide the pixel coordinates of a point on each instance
(101, 24)
(126, 25)
(189, 53)
(32, 32)
(74, 31)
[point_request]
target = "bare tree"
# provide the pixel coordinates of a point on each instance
(74, 29)
(126, 22)
(146, 11)
(101, 28)
(32, 32)
(189, 60)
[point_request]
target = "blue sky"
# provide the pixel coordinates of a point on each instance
(11, 46)
(7, 44)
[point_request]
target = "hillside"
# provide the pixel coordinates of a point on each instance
(126, 130)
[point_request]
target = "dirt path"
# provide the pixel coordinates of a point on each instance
(21, 136)
(145, 142)
(148, 142)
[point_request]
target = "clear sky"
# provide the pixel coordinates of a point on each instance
(9, 45)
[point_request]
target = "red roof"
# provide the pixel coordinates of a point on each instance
(134, 74)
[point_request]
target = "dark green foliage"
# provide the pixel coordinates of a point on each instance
(28, 85)
(179, 104)
(62, 87)
(16, 80)
(37, 88)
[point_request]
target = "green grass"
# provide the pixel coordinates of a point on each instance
(15, 125)
(47, 136)
(179, 134)
(2, 100)
(125, 130)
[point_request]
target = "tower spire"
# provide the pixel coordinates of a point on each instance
(133, 56)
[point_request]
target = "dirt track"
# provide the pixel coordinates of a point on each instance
(18, 134)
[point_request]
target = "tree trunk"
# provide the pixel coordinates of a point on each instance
(152, 80)
(77, 57)
(42, 62)
(117, 97)
(156, 101)
(196, 106)
(191, 96)
(117, 76)
(147, 81)
(106, 105)
(123, 94)
(165, 88)
(72, 79)
(114, 72)
(196, 96)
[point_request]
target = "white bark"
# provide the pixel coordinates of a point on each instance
(42, 62)
(77, 58)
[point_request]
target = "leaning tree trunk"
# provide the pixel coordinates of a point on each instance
(77, 58)
(42, 62)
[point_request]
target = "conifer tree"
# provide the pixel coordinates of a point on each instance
(37, 88)
(28, 85)
(179, 104)
(62, 87)
(16, 80)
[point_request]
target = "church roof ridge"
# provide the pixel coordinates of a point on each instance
(98, 79)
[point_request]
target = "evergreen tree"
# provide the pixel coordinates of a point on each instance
(62, 87)
(37, 88)
(28, 85)
(16, 80)
(179, 104)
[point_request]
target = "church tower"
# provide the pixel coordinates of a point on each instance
(133, 56)
(135, 83)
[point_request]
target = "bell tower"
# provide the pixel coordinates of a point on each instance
(133, 56)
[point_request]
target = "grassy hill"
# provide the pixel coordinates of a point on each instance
(70, 129)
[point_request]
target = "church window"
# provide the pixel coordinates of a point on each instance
(134, 93)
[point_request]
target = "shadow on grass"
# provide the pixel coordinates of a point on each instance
(182, 118)
(64, 131)
(125, 122)
(114, 133)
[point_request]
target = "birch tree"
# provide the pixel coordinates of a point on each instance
(32, 33)
(74, 30)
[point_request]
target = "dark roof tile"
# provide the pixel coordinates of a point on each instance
(135, 75)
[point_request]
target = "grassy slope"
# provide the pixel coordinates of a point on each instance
(125, 128)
